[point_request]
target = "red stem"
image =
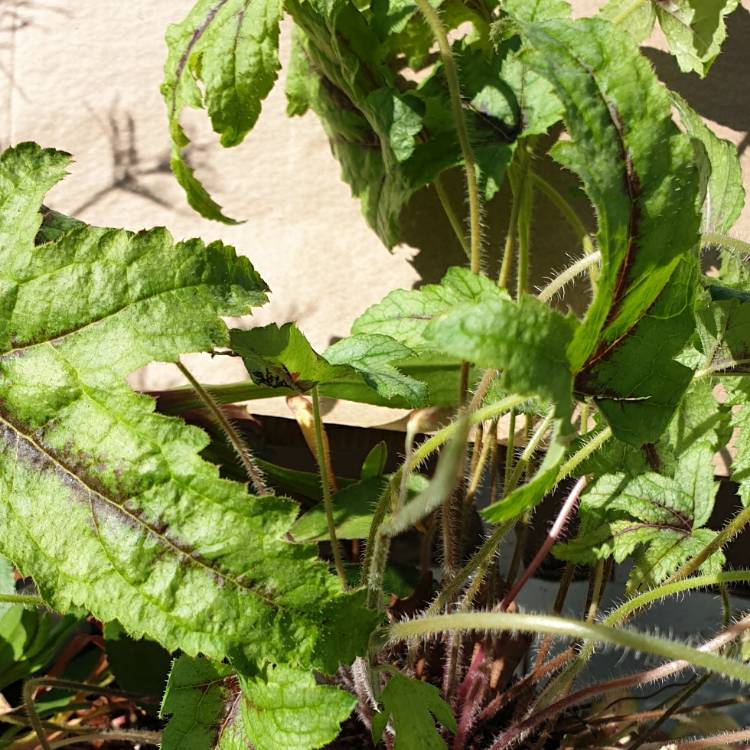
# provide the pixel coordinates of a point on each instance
(554, 533)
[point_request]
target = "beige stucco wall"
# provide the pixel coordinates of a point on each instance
(84, 76)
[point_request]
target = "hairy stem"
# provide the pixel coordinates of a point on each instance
(325, 482)
(712, 239)
(570, 273)
(526, 198)
(454, 89)
(734, 527)
(554, 533)
(240, 448)
(658, 674)
(451, 215)
(25, 599)
(481, 559)
(577, 629)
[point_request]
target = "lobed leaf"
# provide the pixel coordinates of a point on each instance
(411, 706)
(108, 504)
(223, 57)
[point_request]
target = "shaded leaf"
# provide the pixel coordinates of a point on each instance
(695, 30)
(353, 509)
(411, 705)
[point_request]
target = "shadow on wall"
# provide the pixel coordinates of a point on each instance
(553, 244)
(722, 95)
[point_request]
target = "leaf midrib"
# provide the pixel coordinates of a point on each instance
(199, 561)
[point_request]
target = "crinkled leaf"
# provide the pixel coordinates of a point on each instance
(389, 143)
(146, 532)
(411, 705)
(636, 17)
(656, 518)
(637, 170)
(223, 57)
(531, 11)
(721, 174)
(695, 30)
(372, 356)
(404, 315)
(285, 709)
(526, 340)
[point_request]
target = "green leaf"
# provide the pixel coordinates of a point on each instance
(739, 400)
(29, 640)
(657, 519)
(374, 463)
(200, 699)
(353, 509)
(695, 30)
(404, 315)
(146, 532)
(140, 666)
(530, 11)
(637, 170)
(281, 356)
(373, 356)
(724, 331)
(531, 493)
(526, 340)
(284, 709)
(411, 705)
(223, 57)
(636, 17)
(720, 169)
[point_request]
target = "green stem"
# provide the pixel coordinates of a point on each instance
(712, 239)
(562, 205)
(734, 527)
(510, 449)
(325, 482)
(480, 560)
(583, 453)
(568, 628)
(423, 451)
(25, 599)
(529, 450)
(451, 215)
(243, 452)
(526, 196)
(568, 275)
(454, 90)
(626, 610)
(510, 237)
